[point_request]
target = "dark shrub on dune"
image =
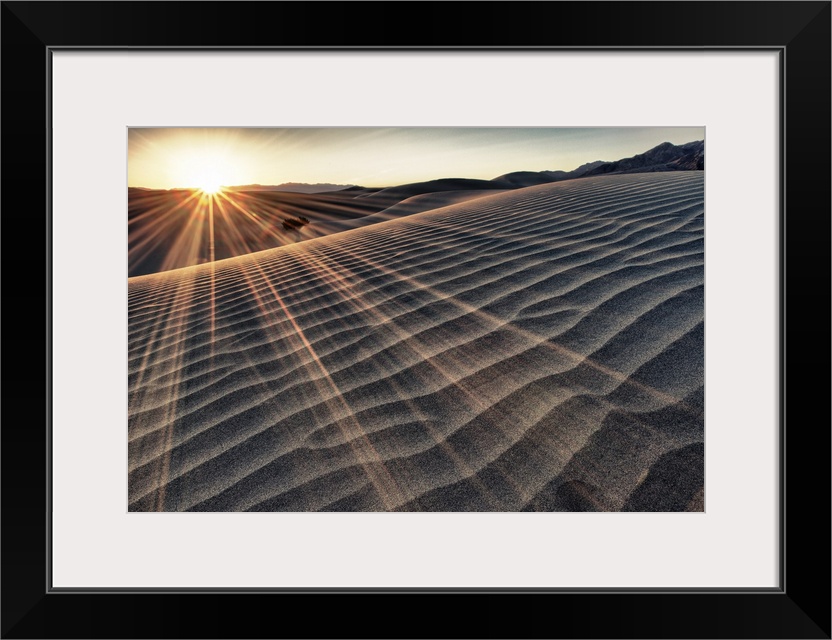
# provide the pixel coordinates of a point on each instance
(294, 224)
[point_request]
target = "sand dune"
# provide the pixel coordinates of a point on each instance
(168, 229)
(165, 227)
(537, 349)
(389, 196)
(420, 203)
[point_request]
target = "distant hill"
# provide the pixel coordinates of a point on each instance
(391, 195)
(357, 192)
(519, 179)
(291, 187)
(664, 157)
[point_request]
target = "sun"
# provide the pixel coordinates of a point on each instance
(210, 187)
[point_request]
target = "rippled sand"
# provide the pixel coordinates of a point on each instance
(534, 350)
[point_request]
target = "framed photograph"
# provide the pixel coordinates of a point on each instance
(326, 311)
(513, 341)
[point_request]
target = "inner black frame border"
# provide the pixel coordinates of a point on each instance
(799, 31)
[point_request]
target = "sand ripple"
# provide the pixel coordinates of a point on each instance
(536, 349)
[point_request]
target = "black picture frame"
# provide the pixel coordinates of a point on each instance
(799, 608)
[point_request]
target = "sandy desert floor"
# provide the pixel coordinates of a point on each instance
(540, 349)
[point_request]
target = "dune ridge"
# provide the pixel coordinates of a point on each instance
(535, 349)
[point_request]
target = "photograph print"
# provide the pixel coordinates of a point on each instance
(416, 319)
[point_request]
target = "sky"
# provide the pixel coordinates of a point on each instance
(166, 158)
